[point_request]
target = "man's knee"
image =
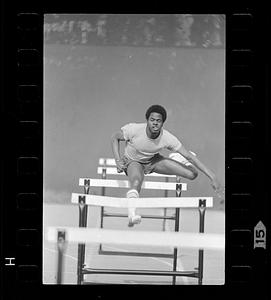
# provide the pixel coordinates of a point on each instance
(136, 181)
(193, 174)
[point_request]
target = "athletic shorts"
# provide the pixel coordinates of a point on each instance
(147, 167)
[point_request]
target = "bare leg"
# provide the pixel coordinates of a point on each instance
(171, 167)
(136, 176)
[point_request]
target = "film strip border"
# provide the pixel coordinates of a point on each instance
(246, 146)
(246, 128)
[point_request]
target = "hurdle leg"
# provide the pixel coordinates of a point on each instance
(81, 247)
(202, 209)
(164, 220)
(102, 217)
(85, 209)
(175, 253)
(177, 222)
(84, 224)
(83, 252)
(61, 246)
(165, 209)
(102, 208)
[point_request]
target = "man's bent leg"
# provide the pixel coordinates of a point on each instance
(170, 167)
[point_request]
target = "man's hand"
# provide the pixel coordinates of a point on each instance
(219, 189)
(120, 165)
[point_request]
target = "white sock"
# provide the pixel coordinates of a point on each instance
(131, 212)
(178, 157)
(133, 193)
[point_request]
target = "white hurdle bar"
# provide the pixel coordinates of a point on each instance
(113, 171)
(146, 238)
(139, 238)
(113, 183)
(178, 187)
(107, 162)
(176, 202)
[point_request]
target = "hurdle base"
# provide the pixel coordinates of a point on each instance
(142, 254)
(120, 283)
(140, 272)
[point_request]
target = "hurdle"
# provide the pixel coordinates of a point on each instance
(84, 200)
(107, 166)
(63, 236)
(178, 187)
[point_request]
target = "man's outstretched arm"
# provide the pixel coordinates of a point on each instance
(199, 165)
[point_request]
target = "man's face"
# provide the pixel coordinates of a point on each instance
(155, 122)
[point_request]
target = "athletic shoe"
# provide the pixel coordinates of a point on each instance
(132, 217)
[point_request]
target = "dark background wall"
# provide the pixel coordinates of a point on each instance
(91, 91)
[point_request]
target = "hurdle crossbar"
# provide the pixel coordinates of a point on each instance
(155, 217)
(87, 270)
(114, 171)
(107, 161)
(139, 238)
(158, 185)
(150, 202)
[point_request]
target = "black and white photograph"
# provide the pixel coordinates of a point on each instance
(134, 149)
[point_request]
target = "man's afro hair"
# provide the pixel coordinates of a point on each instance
(157, 109)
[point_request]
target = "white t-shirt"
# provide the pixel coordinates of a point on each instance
(141, 148)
